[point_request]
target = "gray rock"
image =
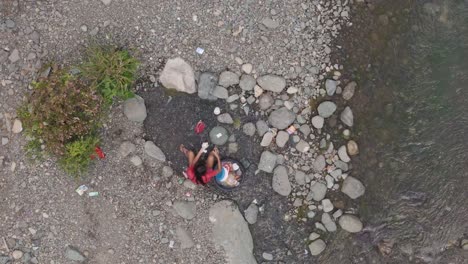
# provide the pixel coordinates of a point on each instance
(251, 214)
(343, 154)
(74, 254)
(4, 259)
(220, 92)
(302, 146)
(328, 222)
(10, 23)
(17, 254)
(272, 83)
(313, 236)
(341, 165)
(251, 100)
(247, 82)
(270, 23)
(185, 209)
(14, 56)
(349, 90)
(265, 101)
(267, 162)
(350, 223)
(318, 121)
(184, 237)
(206, 85)
(178, 74)
(106, 2)
(318, 191)
(326, 109)
(330, 86)
(347, 117)
(249, 129)
(219, 135)
(232, 233)
(5, 141)
(266, 140)
(282, 138)
(262, 127)
(330, 181)
(300, 177)
(305, 129)
(154, 151)
(247, 68)
(353, 187)
(267, 256)
(17, 126)
(126, 148)
(135, 109)
(281, 182)
(167, 172)
(319, 163)
(232, 98)
(317, 247)
(327, 205)
(228, 78)
(281, 118)
(136, 161)
(225, 118)
(233, 148)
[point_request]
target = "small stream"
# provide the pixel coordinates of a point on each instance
(410, 59)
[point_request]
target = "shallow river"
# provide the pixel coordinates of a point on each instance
(411, 62)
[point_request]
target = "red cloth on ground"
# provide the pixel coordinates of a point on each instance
(210, 173)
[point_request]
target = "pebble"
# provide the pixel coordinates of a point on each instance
(126, 148)
(190, 185)
(326, 109)
(330, 86)
(5, 141)
(310, 214)
(17, 126)
(327, 205)
(185, 209)
(318, 121)
(84, 28)
(206, 84)
(302, 146)
(14, 56)
(232, 98)
(249, 129)
(247, 68)
(270, 23)
(347, 116)
(251, 214)
(72, 253)
(267, 162)
(258, 91)
(184, 237)
(352, 148)
(282, 138)
(135, 109)
(220, 92)
(319, 163)
(318, 191)
(247, 82)
(343, 154)
(305, 129)
(265, 101)
(280, 182)
(228, 78)
(135, 160)
(225, 118)
(272, 83)
(317, 247)
(167, 172)
(350, 223)
(348, 91)
(267, 256)
(281, 118)
(17, 254)
(353, 187)
(330, 181)
(313, 236)
(262, 127)
(154, 151)
(292, 90)
(106, 2)
(233, 148)
(266, 140)
(300, 177)
(328, 222)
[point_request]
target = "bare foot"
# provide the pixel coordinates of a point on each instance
(183, 149)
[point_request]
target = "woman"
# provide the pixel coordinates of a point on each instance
(199, 171)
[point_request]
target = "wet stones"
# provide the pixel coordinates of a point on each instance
(352, 187)
(343, 154)
(350, 223)
(247, 82)
(280, 182)
(317, 247)
(318, 191)
(330, 86)
(347, 116)
(272, 83)
(267, 162)
(349, 90)
(326, 109)
(281, 118)
(219, 135)
(178, 74)
(135, 109)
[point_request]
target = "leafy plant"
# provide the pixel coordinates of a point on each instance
(79, 154)
(61, 109)
(112, 71)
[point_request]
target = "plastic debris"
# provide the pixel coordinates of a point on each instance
(93, 194)
(199, 127)
(171, 244)
(200, 50)
(81, 190)
(217, 111)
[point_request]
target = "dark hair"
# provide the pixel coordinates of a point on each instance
(200, 171)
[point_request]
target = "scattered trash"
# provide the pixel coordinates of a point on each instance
(205, 146)
(81, 190)
(171, 244)
(188, 194)
(291, 130)
(219, 135)
(217, 111)
(181, 180)
(200, 50)
(99, 153)
(199, 127)
(93, 194)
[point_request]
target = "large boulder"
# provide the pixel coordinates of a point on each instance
(178, 74)
(280, 182)
(272, 83)
(231, 231)
(281, 118)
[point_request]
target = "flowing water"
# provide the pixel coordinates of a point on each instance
(410, 59)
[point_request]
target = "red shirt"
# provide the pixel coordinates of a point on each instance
(210, 173)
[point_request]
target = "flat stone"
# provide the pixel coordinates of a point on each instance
(292, 90)
(178, 74)
(300, 177)
(251, 214)
(228, 78)
(231, 232)
(267, 162)
(17, 254)
(249, 129)
(317, 247)
(267, 256)
(265, 101)
(5, 259)
(313, 236)
(247, 68)
(14, 56)
(328, 222)
(318, 191)
(347, 116)
(305, 129)
(282, 138)
(225, 118)
(318, 121)
(135, 109)
(219, 135)
(206, 85)
(154, 151)
(17, 126)
(184, 237)
(330, 181)
(326, 109)
(126, 148)
(352, 148)
(281, 118)
(281, 182)
(136, 161)
(350, 223)
(5, 141)
(272, 83)
(327, 205)
(232, 98)
(74, 254)
(262, 127)
(302, 146)
(233, 148)
(185, 209)
(353, 187)
(330, 86)
(258, 91)
(247, 82)
(266, 140)
(343, 154)
(270, 23)
(341, 165)
(106, 2)
(349, 90)
(220, 92)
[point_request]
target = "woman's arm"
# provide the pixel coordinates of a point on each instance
(197, 157)
(216, 154)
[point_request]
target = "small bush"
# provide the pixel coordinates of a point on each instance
(61, 109)
(111, 71)
(79, 155)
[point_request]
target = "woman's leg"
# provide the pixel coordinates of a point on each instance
(188, 153)
(210, 161)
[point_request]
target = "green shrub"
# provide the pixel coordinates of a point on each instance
(79, 155)
(112, 71)
(61, 109)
